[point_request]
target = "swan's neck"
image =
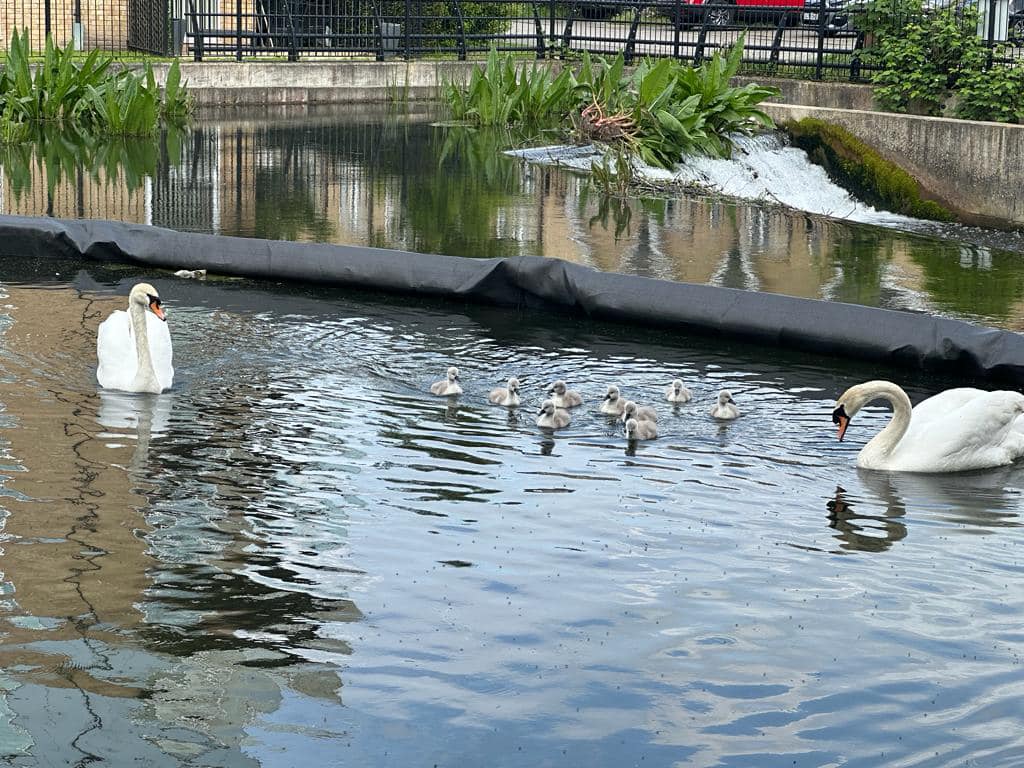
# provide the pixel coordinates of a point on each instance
(885, 442)
(145, 376)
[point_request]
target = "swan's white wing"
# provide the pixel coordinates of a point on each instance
(944, 403)
(160, 350)
(115, 352)
(979, 433)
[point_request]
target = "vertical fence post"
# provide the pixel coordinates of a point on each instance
(551, 28)
(238, 30)
(677, 25)
(408, 32)
(991, 30)
(819, 60)
(46, 17)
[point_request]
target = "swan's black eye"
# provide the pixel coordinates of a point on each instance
(839, 413)
(153, 299)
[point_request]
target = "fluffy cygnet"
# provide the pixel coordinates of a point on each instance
(631, 410)
(677, 393)
(613, 402)
(725, 407)
(562, 397)
(449, 385)
(507, 396)
(552, 417)
(640, 430)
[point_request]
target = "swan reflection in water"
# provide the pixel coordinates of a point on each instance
(136, 417)
(978, 500)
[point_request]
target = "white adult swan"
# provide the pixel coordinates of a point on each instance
(448, 385)
(954, 431)
(134, 347)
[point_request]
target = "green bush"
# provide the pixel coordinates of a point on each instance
(857, 167)
(660, 111)
(437, 22)
(991, 93)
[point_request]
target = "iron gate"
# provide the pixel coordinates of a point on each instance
(149, 26)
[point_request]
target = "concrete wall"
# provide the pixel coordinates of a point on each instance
(973, 167)
(258, 84)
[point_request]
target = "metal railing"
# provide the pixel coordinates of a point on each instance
(803, 38)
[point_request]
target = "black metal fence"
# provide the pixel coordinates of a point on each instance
(808, 38)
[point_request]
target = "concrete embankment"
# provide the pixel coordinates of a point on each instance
(971, 167)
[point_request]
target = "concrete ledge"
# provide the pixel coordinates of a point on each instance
(254, 83)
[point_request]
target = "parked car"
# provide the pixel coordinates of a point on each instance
(720, 13)
(839, 15)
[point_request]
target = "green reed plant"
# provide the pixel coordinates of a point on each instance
(660, 111)
(85, 94)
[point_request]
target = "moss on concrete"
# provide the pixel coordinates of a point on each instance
(859, 168)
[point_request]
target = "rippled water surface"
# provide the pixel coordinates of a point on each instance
(296, 555)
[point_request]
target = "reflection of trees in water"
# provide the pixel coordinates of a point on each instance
(970, 280)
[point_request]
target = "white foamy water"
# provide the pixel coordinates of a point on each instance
(762, 169)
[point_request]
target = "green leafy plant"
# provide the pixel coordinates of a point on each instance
(993, 92)
(83, 93)
(922, 64)
(660, 111)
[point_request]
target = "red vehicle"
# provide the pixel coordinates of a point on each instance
(721, 13)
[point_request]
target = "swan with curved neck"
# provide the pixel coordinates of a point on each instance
(134, 347)
(953, 431)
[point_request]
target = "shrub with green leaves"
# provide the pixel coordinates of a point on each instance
(660, 111)
(993, 92)
(925, 61)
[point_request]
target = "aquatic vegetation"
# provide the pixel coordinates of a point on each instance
(660, 110)
(856, 166)
(86, 94)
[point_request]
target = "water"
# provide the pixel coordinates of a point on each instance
(297, 554)
(365, 176)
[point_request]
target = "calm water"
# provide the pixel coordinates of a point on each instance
(297, 555)
(360, 175)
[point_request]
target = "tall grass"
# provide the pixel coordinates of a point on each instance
(86, 94)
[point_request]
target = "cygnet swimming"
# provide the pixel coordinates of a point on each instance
(562, 397)
(449, 385)
(612, 403)
(551, 417)
(631, 410)
(677, 393)
(640, 430)
(725, 407)
(507, 396)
